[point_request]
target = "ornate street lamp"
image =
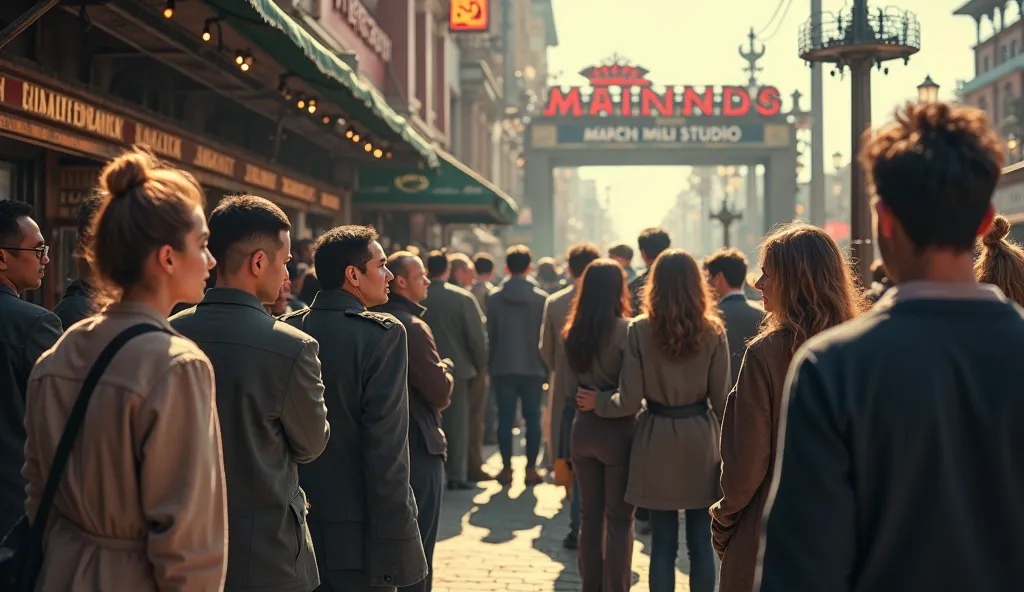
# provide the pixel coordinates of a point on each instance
(726, 217)
(859, 39)
(837, 159)
(928, 91)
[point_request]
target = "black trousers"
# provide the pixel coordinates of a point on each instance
(426, 475)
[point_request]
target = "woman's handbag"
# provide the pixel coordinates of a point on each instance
(21, 552)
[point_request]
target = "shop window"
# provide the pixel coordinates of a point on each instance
(6, 180)
(1013, 48)
(1005, 54)
(984, 67)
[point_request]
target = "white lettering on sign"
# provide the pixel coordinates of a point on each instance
(363, 23)
(698, 134)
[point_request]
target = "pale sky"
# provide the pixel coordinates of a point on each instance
(696, 42)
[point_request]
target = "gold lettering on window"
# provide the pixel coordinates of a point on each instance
(214, 161)
(293, 188)
(161, 142)
(64, 109)
(261, 177)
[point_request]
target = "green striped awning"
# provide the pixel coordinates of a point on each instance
(452, 192)
(264, 23)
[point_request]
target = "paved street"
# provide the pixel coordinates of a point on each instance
(496, 539)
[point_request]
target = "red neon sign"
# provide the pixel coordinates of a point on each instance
(672, 101)
(469, 15)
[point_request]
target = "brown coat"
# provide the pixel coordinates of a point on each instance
(552, 350)
(142, 503)
(674, 463)
(749, 431)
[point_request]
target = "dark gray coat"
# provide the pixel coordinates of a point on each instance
(75, 305)
(515, 313)
(272, 417)
(26, 331)
(742, 319)
(361, 504)
(458, 326)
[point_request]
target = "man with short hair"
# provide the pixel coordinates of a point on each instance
(362, 512)
(77, 301)
(486, 413)
(562, 394)
(652, 241)
(269, 394)
(483, 264)
(430, 389)
(901, 453)
(457, 323)
(26, 331)
(462, 274)
(726, 272)
(622, 254)
(515, 314)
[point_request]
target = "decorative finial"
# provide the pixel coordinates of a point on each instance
(752, 55)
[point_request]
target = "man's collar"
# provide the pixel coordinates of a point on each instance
(400, 301)
(735, 293)
(4, 288)
(929, 290)
(232, 296)
(336, 300)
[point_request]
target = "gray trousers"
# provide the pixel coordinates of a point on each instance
(455, 423)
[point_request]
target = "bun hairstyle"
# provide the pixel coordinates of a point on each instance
(144, 205)
(997, 232)
(1001, 261)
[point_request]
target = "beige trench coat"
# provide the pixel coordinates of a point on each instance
(142, 503)
(674, 463)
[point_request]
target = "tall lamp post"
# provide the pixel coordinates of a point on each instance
(859, 39)
(726, 216)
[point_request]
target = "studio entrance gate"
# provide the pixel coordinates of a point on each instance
(621, 119)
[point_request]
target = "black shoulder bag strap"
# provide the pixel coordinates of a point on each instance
(67, 442)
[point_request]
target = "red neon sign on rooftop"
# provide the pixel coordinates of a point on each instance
(673, 101)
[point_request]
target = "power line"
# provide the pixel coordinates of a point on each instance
(772, 19)
(778, 26)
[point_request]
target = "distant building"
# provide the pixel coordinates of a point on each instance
(998, 83)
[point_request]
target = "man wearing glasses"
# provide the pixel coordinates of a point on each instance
(26, 331)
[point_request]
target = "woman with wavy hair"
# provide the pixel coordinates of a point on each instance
(594, 334)
(677, 360)
(807, 287)
(1001, 262)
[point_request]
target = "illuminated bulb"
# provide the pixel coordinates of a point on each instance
(169, 9)
(206, 33)
(239, 58)
(244, 67)
(368, 147)
(326, 119)
(248, 59)
(377, 153)
(355, 138)
(301, 103)
(349, 133)
(387, 154)
(312, 106)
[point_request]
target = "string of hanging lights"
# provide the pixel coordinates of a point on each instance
(244, 60)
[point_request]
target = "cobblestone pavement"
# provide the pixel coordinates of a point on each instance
(494, 539)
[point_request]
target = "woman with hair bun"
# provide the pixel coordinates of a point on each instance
(1001, 261)
(141, 502)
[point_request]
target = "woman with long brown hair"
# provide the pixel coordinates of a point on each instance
(141, 504)
(1001, 262)
(594, 334)
(677, 360)
(807, 287)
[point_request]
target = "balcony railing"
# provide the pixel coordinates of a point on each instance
(890, 32)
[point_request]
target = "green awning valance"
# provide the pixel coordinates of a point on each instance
(453, 192)
(308, 59)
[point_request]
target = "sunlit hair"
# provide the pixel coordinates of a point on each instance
(680, 307)
(144, 205)
(601, 299)
(1001, 262)
(812, 282)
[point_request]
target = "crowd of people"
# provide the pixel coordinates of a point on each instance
(166, 426)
